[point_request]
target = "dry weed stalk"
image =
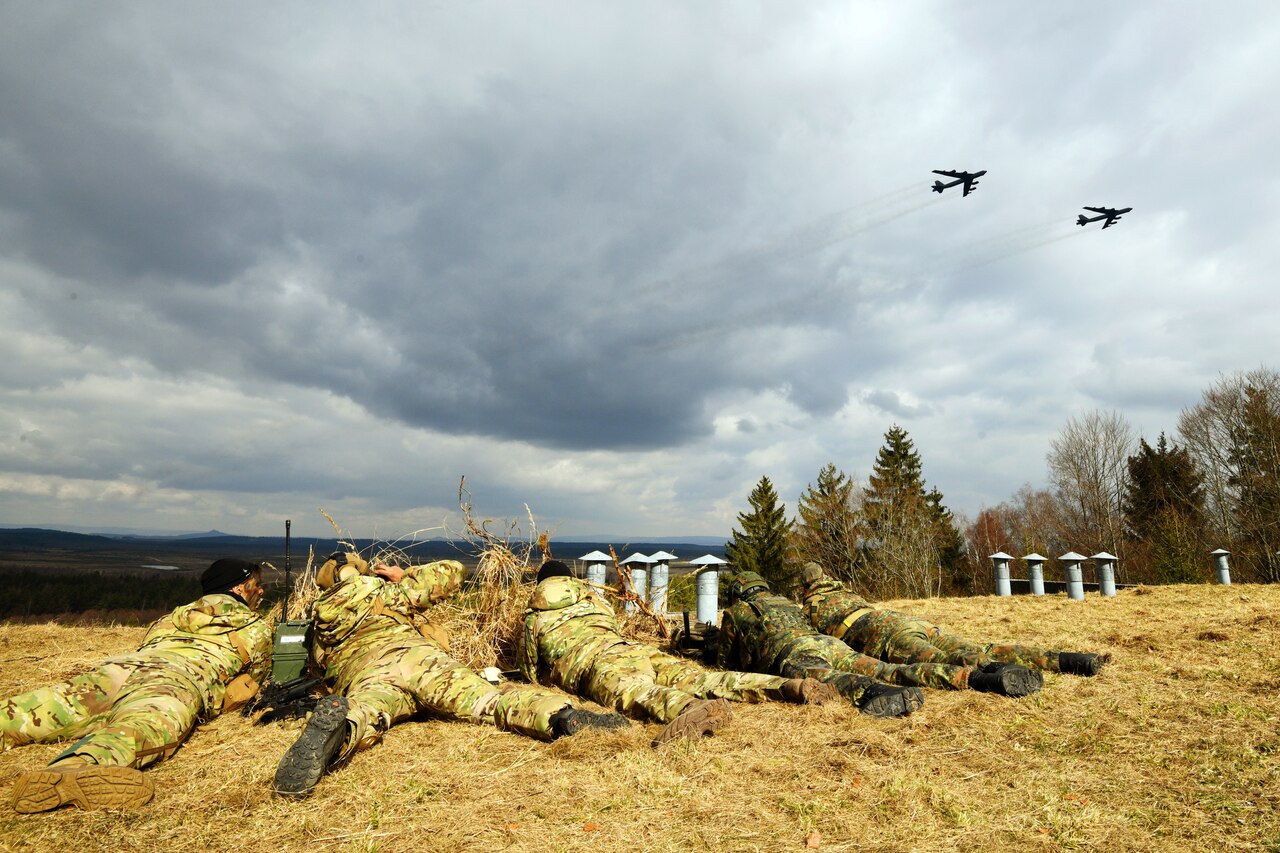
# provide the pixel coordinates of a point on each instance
(485, 622)
(626, 592)
(304, 592)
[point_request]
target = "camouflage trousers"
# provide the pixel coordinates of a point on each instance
(820, 651)
(900, 638)
(402, 681)
(633, 678)
(128, 713)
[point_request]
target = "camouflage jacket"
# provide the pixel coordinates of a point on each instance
(210, 642)
(362, 616)
(757, 634)
(566, 627)
(829, 606)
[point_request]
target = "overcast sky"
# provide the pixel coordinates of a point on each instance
(611, 260)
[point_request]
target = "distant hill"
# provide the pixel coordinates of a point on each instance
(214, 543)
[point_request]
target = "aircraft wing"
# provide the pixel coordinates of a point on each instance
(1103, 210)
(947, 173)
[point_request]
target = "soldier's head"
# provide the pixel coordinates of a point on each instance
(746, 585)
(340, 566)
(229, 575)
(553, 569)
(812, 573)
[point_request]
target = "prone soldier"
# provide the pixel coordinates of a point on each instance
(571, 640)
(904, 639)
(384, 666)
(769, 633)
(134, 710)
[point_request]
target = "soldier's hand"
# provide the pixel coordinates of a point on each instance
(395, 574)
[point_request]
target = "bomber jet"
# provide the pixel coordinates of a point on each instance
(969, 179)
(1108, 213)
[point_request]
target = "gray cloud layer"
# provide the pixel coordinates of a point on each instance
(614, 262)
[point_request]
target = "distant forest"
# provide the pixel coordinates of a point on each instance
(32, 594)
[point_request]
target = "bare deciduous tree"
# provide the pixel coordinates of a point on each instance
(1089, 473)
(1233, 435)
(1029, 523)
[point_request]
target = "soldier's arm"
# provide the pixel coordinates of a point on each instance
(259, 642)
(726, 643)
(527, 654)
(429, 583)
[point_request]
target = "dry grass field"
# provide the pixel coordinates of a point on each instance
(1175, 746)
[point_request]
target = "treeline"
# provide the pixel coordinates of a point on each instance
(890, 538)
(1159, 504)
(28, 594)
(1162, 506)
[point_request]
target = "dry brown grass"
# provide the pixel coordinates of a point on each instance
(1174, 747)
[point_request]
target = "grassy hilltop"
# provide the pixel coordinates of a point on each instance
(1175, 746)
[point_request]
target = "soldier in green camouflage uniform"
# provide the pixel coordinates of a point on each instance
(900, 638)
(386, 666)
(771, 633)
(571, 640)
(134, 710)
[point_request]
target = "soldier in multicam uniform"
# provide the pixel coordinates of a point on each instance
(134, 710)
(900, 638)
(384, 667)
(571, 640)
(769, 633)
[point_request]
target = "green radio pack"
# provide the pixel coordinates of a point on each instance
(291, 642)
(290, 650)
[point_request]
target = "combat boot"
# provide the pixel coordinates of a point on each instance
(700, 718)
(80, 783)
(1011, 680)
(1078, 663)
(312, 753)
(809, 691)
(888, 700)
(570, 720)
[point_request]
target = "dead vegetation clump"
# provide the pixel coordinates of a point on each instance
(1173, 746)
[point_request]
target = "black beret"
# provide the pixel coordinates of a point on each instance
(224, 574)
(553, 569)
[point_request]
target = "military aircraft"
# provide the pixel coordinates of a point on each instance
(969, 179)
(1108, 213)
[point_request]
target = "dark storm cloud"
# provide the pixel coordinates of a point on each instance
(595, 238)
(500, 270)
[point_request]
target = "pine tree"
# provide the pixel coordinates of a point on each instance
(1255, 450)
(826, 527)
(1161, 479)
(761, 546)
(911, 538)
(1163, 507)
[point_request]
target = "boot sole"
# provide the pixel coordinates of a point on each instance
(307, 760)
(1017, 681)
(894, 704)
(90, 786)
(700, 720)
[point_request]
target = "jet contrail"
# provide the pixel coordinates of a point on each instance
(980, 259)
(814, 236)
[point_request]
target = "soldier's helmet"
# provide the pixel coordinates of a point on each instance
(812, 573)
(333, 569)
(746, 585)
